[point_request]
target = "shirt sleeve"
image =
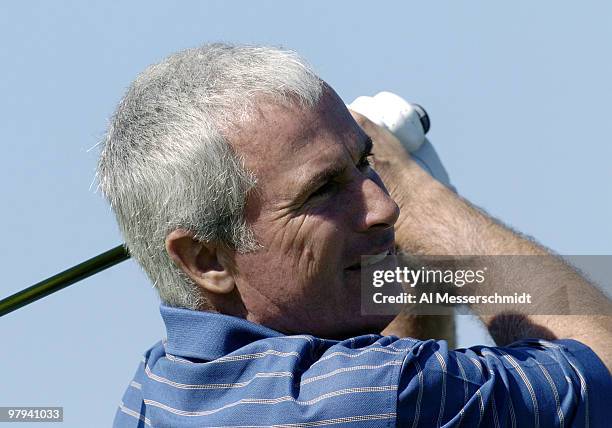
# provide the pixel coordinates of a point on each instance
(530, 383)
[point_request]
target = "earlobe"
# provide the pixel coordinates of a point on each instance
(203, 263)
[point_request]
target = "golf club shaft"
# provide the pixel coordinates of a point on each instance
(64, 279)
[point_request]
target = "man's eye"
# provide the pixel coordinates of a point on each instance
(324, 189)
(365, 161)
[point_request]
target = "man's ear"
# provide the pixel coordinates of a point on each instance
(206, 264)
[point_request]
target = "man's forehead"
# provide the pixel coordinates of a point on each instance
(287, 142)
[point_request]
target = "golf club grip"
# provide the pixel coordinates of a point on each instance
(64, 279)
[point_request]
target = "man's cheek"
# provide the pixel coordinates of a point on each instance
(321, 245)
(306, 249)
(281, 236)
(289, 246)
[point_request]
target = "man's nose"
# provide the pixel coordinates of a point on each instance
(380, 209)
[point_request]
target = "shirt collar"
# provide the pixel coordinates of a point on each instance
(208, 335)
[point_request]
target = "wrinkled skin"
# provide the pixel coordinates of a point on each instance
(298, 281)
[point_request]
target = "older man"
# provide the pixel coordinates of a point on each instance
(244, 188)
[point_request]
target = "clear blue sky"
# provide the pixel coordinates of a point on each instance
(519, 95)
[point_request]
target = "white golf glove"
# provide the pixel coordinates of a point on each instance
(409, 123)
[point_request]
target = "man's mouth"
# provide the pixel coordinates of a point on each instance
(370, 260)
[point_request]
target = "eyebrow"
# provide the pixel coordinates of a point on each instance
(321, 177)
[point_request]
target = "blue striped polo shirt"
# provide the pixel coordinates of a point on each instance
(219, 371)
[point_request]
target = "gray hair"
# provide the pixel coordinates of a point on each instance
(166, 161)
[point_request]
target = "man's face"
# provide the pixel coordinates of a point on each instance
(317, 208)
